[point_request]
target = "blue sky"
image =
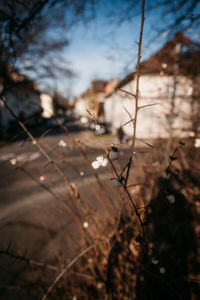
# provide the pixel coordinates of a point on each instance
(98, 51)
(102, 49)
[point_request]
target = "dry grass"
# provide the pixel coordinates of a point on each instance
(137, 241)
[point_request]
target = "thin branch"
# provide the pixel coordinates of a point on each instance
(172, 158)
(129, 93)
(68, 267)
(145, 144)
(128, 113)
(132, 120)
(139, 107)
(40, 148)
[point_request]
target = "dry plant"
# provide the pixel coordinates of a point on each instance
(137, 239)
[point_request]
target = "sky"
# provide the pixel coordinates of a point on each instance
(103, 49)
(96, 52)
(100, 50)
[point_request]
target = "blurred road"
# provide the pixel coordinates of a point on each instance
(40, 219)
(30, 214)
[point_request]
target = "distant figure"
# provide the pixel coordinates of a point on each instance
(120, 134)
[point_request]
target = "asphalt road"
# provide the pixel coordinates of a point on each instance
(40, 218)
(36, 205)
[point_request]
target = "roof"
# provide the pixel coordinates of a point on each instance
(187, 53)
(13, 79)
(126, 80)
(98, 86)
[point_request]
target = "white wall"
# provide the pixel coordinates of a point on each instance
(153, 121)
(47, 105)
(80, 108)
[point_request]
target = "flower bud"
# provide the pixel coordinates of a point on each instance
(171, 199)
(113, 154)
(116, 182)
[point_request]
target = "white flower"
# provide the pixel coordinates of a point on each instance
(99, 285)
(154, 261)
(85, 224)
(96, 164)
(13, 161)
(171, 199)
(62, 143)
(164, 65)
(99, 162)
(192, 134)
(162, 270)
(197, 143)
(104, 162)
(42, 178)
(100, 159)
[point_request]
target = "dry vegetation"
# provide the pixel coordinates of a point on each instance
(108, 259)
(136, 241)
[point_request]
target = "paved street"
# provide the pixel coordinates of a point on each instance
(36, 206)
(40, 218)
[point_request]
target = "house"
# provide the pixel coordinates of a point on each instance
(170, 79)
(24, 98)
(91, 99)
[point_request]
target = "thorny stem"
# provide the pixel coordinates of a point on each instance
(138, 77)
(130, 198)
(136, 96)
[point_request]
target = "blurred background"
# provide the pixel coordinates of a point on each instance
(67, 90)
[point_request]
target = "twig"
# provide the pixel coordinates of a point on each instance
(172, 158)
(132, 120)
(29, 261)
(40, 148)
(129, 93)
(68, 267)
(145, 144)
(140, 107)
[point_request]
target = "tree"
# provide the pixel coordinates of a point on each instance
(173, 15)
(34, 33)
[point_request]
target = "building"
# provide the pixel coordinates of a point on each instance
(91, 100)
(24, 98)
(170, 79)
